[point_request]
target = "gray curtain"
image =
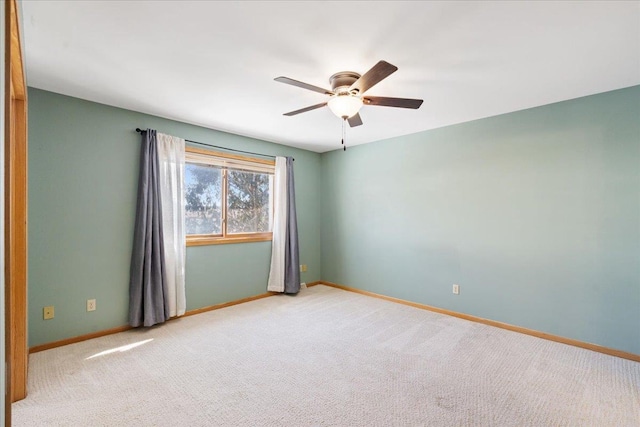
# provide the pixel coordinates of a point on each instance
(148, 304)
(291, 254)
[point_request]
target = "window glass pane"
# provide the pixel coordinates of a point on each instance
(203, 199)
(248, 202)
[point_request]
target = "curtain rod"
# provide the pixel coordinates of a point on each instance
(222, 148)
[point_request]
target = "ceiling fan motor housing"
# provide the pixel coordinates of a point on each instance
(342, 81)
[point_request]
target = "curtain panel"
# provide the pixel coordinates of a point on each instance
(172, 158)
(284, 275)
(156, 285)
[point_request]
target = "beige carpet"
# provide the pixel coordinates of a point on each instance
(327, 358)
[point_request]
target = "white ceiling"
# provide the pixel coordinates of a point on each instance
(213, 63)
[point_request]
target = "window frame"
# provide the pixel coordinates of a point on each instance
(224, 237)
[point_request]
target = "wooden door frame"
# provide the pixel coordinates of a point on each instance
(16, 350)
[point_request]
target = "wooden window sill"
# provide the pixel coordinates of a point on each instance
(217, 240)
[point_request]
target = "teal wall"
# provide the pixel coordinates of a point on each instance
(535, 214)
(83, 174)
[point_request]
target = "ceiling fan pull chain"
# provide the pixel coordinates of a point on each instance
(344, 121)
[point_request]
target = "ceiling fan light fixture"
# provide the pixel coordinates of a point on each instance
(345, 105)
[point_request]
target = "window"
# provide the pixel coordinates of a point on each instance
(228, 198)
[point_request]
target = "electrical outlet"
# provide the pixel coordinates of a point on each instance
(91, 305)
(456, 289)
(47, 312)
(303, 267)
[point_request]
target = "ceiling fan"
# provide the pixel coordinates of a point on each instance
(347, 93)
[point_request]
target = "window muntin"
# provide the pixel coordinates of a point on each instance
(228, 198)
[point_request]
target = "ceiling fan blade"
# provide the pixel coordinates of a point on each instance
(292, 82)
(393, 102)
(304, 110)
(355, 120)
(380, 71)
